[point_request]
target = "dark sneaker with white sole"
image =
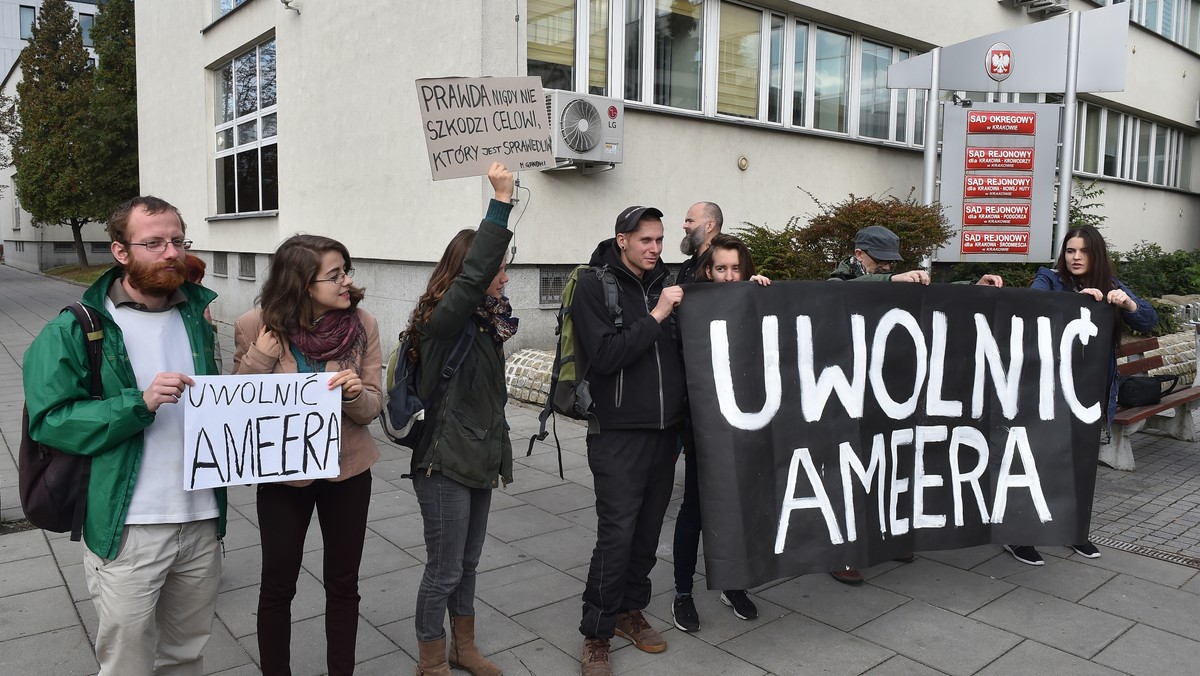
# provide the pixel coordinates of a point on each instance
(683, 613)
(1087, 550)
(742, 606)
(1025, 554)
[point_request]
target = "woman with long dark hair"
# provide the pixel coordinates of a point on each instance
(465, 450)
(1083, 266)
(308, 321)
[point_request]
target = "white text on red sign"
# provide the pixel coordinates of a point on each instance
(985, 213)
(986, 241)
(997, 185)
(1001, 122)
(981, 157)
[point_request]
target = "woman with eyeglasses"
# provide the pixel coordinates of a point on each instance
(465, 451)
(308, 321)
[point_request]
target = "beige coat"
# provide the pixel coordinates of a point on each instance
(359, 450)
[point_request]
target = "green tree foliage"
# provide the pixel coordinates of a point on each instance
(813, 251)
(51, 144)
(1154, 273)
(113, 162)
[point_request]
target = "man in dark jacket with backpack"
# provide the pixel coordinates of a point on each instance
(637, 386)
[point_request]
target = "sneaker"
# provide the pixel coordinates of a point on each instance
(1087, 550)
(847, 576)
(632, 625)
(595, 658)
(742, 606)
(1025, 554)
(683, 613)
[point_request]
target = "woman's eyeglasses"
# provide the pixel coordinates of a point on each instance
(339, 277)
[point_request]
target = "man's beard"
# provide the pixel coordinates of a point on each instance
(155, 279)
(692, 241)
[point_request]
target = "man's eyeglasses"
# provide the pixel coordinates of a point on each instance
(882, 266)
(160, 245)
(339, 277)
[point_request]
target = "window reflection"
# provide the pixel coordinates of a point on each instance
(598, 48)
(831, 90)
(633, 50)
(551, 42)
(874, 98)
(739, 50)
(800, 76)
(677, 54)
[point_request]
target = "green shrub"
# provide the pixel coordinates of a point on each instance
(813, 251)
(1169, 320)
(1153, 273)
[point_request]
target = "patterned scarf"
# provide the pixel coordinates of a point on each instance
(494, 316)
(339, 336)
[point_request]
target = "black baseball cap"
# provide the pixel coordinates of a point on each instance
(879, 243)
(627, 221)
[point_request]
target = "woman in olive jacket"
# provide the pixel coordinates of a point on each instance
(465, 451)
(309, 322)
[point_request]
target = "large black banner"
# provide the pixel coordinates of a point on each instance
(850, 423)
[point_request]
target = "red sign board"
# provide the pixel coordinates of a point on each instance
(988, 213)
(997, 185)
(981, 157)
(988, 241)
(1001, 122)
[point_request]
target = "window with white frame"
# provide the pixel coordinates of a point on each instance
(1175, 20)
(246, 133)
(28, 17)
(725, 59)
(1118, 145)
(223, 7)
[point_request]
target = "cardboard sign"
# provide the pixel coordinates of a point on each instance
(851, 423)
(261, 428)
(468, 123)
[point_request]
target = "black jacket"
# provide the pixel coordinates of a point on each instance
(636, 373)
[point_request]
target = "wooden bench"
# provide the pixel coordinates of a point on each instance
(1172, 415)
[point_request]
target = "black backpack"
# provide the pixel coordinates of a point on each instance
(569, 393)
(399, 417)
(53, 483)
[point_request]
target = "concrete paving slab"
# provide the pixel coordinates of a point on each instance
(379, 556)
(389, 597)
(796, 644)
(60, 651)
(839, 605)
(1152, 604)
(938, 638)
(391, 502)
(241, 568)
(1032, 657)
(524, 595)
(25, 545)
(966, 558)
(25, 575)
(402, 531)
(223, 652)
(238, 608)
(1053, 622)
(522, 522)
(899, 665)
(690, 655)
(1068, 579)
(76, 582)
(562, 549)
(1144, 567)
(1146, 651)
(35, 612)
(561, 499)
(308, 646)
(536, 658)
(944, 586)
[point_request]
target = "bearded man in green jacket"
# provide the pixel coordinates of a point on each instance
(153, 559)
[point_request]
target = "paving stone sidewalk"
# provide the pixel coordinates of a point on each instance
(971, 611)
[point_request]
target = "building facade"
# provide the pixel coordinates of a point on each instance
(25, 246)
(261, 119)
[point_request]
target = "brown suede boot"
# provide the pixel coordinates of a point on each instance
(433, 658)
(463, 652)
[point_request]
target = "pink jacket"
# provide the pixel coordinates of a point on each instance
(359, 450)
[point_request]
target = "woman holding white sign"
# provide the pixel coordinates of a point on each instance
(1083, 266)
(464, 451)
(309, 321)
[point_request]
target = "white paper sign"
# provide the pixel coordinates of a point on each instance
(468, 123)
(251, 429)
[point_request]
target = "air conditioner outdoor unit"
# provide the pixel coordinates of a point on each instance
(585, 130)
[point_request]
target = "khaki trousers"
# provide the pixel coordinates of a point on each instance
(156, 600)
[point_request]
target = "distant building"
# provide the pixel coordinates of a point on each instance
(25, 246)
(261, 119)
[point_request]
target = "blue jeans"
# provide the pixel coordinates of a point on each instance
(455, 518)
